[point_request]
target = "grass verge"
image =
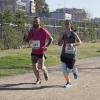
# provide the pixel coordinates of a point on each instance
(18, 61)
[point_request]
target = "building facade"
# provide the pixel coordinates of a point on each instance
(30, 6)
(60, 15)
(12, 5)
(76, 14)
(20, 6)
(26, 6)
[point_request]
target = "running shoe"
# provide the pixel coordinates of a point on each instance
(75, 73)
(46, 76)
(68, 84)
(38, 81)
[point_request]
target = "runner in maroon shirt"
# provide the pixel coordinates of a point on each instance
(38, 36)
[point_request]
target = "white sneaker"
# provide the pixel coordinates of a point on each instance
(46, 76)
(38, 81)
(68, 84)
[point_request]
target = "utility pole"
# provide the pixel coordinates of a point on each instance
(64, 9)
(35, 8)
(1, 25)
(58, 13)
(14, 6)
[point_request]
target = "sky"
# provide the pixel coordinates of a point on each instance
(92, 7)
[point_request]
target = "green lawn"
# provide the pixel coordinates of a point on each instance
(18, 61)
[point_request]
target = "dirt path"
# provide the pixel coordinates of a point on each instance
(86, 87)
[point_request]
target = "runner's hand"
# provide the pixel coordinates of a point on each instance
(70, 45)
(24, 38)
(45, 48)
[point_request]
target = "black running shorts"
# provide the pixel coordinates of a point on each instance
(68, 61)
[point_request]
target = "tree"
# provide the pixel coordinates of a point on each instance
(92, 32)
(8, 16)
(89, 13)
(6, 5)
(41, 6)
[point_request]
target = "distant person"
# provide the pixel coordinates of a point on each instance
(38, 36)
(70, 40)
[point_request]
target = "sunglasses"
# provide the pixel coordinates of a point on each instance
(35, 21)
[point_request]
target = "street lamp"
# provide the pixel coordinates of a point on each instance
(58, 10)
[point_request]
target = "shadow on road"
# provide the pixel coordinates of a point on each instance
(9, 87)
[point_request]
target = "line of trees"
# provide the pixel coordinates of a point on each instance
(14, 27)
(87, 31)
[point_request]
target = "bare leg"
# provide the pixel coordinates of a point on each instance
(34, 65)
(36, 71)
(41, 64)
(43, 68)
(67, 78)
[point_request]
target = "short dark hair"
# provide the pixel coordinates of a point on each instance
(69, 21)
(36, 17)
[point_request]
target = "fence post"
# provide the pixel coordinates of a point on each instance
(1, 25)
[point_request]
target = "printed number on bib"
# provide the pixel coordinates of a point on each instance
(36, 44)
(70, 50)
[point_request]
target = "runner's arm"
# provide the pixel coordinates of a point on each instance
(78, 41)
(50, 40)
(60, 40)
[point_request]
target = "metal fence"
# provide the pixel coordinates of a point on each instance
(84, 28)
(10, 31)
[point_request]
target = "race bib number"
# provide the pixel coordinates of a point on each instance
(70, 50)
(36, 44)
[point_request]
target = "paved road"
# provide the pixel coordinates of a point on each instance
(86, 87)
